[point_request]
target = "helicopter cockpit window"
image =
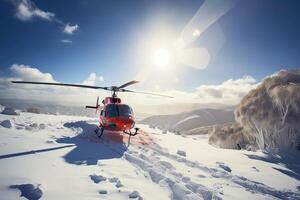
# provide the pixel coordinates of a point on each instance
(125, 110)
(115, 110)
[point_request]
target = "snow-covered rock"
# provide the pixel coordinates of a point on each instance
(9, 111)
(103, 192)
(6, 123)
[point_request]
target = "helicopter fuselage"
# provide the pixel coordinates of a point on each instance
(116, 116)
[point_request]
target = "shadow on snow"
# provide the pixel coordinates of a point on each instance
(288, 160)
(88, 147)
(24, 153)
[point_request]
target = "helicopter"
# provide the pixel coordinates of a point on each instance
(114, 115)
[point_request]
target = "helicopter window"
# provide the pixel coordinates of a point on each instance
(115, 110)
(125, 110)
(111, 110)
(102, 113)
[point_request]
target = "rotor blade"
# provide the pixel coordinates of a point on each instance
(149, 93)
(60, 84)
(128, 83)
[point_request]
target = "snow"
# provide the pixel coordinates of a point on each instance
(59, 157)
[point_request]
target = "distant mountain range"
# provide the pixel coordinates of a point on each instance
(188, 121)
(47, 107)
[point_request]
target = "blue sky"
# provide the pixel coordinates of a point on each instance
(255, 38)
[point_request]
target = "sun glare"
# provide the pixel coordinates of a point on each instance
(162, 57)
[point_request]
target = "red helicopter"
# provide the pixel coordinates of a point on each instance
(114, 115)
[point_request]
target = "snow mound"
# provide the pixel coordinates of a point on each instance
(6, 123)
(9, 111)
(29, 191)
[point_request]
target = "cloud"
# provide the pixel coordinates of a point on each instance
(92, 79)
(28, 73)
(67, 41)
(50, 94)
(26, 10)
(69, 29)
(229, 92)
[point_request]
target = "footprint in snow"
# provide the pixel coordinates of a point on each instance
(113, 179)
(97, 178)
(255, 169)
(181, 153)
(185, 179)
(103, 192)
(29, 191)
(134, 194)
(166, 164)
(201, 176)
(224, 166)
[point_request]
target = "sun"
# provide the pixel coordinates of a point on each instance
(162, 57)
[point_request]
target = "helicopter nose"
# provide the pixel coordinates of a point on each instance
(128, 123)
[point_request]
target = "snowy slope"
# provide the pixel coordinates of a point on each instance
(59, 157)
(190, 120)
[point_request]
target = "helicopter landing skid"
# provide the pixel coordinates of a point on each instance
(99, 131)
(131, 134)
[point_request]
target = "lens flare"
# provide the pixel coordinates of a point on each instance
(162, 57)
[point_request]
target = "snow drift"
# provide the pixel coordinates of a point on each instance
(270, 114)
